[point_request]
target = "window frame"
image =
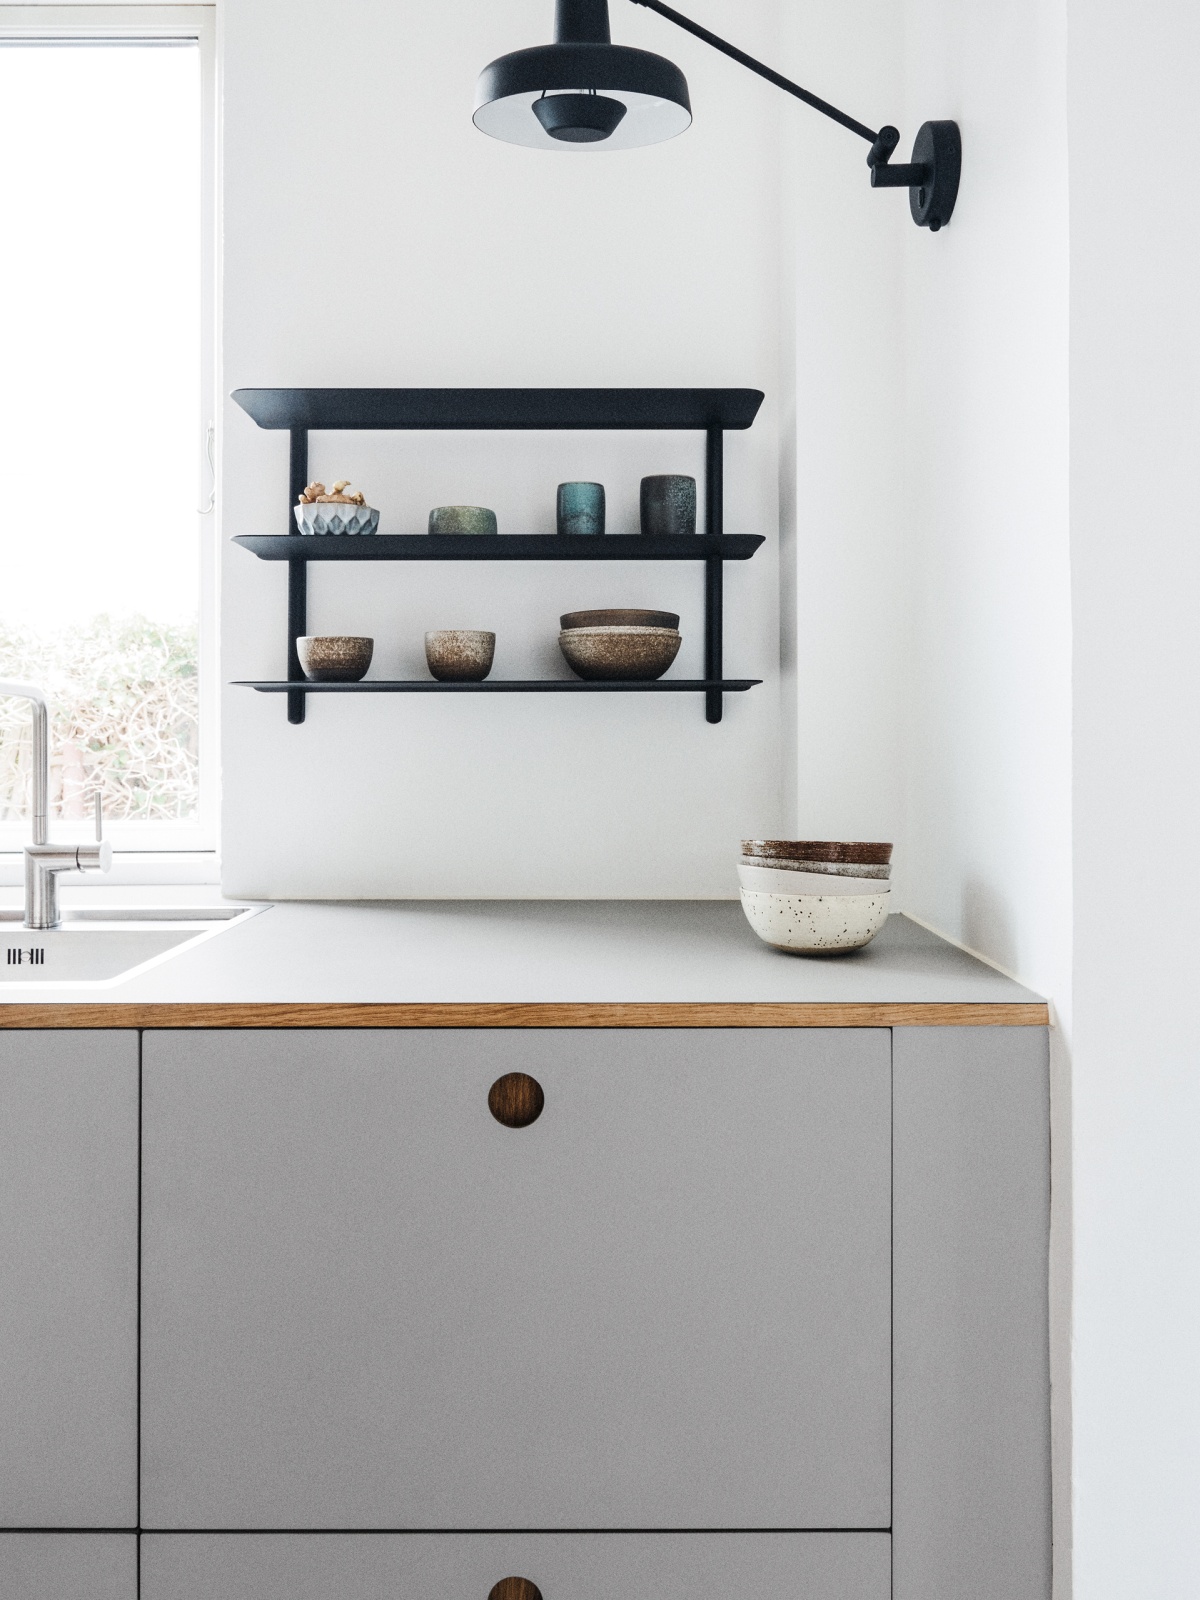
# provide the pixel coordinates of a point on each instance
(162, 852)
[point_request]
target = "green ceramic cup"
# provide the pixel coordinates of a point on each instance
(462, 519)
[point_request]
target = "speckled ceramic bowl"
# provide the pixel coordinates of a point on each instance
(776, 880)
(460, 655)
(810, 924)
(463, 519)
(335, 658)
(614, 654)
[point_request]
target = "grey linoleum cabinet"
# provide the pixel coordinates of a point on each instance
(68, 1287)
(664, 1304)
(595, 1566)
(755, 1312)
(68, 1566)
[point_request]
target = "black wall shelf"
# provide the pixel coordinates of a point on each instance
(506, 686)
(689, 410)
(710, 411)
(502, 547)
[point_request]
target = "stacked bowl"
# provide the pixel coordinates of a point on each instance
(608, 646)
(813, 895)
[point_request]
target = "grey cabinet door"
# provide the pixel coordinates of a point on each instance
(664, 1304)
(972, 1359)
(68, 1266)
(68, 1566)
(598, 1566)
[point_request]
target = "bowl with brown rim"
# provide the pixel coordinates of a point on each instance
(840, 851)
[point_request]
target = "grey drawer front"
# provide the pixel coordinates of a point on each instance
(598, 1566)
(663, 1305)
(68, 1267)
(68, 1566)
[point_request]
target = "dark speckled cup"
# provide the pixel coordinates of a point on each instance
(668, 506)
(581, 508)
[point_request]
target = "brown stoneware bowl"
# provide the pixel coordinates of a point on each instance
(875, 855)
(619, 654)
(335, 658)
(618, 619)
(460, 655)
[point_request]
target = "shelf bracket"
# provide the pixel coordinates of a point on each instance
(714, 571)
(297, 575)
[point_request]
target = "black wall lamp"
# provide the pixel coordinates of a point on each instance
(584, 93)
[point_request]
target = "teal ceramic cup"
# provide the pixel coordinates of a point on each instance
(581, 508)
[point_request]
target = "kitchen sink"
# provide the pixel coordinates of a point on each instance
(107, 944)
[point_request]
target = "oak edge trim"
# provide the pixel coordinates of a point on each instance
(684, 1014)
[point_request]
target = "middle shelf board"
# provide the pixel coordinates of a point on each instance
(499, 686)
(498, 547)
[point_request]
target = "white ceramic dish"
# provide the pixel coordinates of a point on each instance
(828, 869)
(810, 924)
(770, 880)
(335, 518)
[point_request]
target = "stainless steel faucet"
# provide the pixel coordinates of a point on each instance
(44, 861)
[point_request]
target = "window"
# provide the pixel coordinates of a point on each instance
(107, 550)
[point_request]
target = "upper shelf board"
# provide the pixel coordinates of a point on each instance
(702, 409)
(497, 547)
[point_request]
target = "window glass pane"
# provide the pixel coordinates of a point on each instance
(100, 423)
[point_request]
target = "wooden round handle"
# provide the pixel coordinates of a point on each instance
(516, 1100)
(515, 1589)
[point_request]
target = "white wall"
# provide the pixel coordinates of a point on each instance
(1135, 421)
(372, 236)
(986, 427)
(844, 577)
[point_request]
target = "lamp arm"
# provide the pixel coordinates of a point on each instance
(932, 175)
(777, 78)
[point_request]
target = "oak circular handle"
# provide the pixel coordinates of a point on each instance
(515, 1588)
(516, 1100)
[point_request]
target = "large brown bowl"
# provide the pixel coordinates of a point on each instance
(334, 658)
(876, 855)
(618, 619)
(619, 654)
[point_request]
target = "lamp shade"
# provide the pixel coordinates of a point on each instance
(540, 98)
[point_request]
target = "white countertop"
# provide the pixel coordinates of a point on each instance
(529, 953)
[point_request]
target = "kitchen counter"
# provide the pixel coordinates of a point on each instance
(532, 964)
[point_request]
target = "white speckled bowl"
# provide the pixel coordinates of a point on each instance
(778, 880)
(812, 924)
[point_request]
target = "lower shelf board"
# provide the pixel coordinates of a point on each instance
(502, 686)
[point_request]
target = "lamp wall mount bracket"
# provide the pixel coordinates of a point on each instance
(931, 177)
